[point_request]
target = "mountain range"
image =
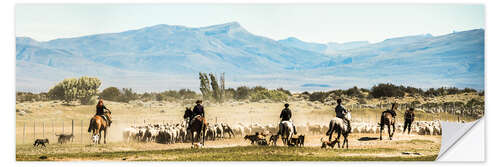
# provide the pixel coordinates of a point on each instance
(164, 57)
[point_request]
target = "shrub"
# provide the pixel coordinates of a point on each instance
(111, 93)
(386, 90)
(71, 89)
(241, 93)
(273, 95)
(318, 96)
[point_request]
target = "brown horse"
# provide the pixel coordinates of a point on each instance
(97, 125)
(198, 125)
(389, 120)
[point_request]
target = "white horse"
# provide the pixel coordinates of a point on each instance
(286, 131)
(338, 125)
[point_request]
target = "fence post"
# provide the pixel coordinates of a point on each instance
(24, 131)
(34, 129)
(81, 131)
(43, 129)
(72, 128)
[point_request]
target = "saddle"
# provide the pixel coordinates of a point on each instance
(105, 119)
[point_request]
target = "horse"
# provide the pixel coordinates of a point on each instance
(387, 119)
(198, 125)
(97, 125)
(286, 131)
(338, 125)
(188, 114)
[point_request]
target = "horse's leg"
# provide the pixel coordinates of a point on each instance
(192, 137)
(105, 133)
(393, 128)
(381, 130)
(337, 139)
(389, 131)
(99, 141)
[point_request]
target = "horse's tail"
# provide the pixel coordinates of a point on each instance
(92, 121)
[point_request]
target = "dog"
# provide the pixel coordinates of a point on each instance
(273, 139)
(325, 144)
(294, 141)
(253, 138)
(262, 142)
(301, 140)
(63, 138)
(41, 142)
(197, 145)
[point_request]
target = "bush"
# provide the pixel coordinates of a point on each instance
(241, 93)
(353, 92)
(111, 93)
(386, 90)
(127, 95)
(285, 91)
(273, 95)
(318, 96)
(71, 89)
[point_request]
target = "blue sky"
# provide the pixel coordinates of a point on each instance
(311, 22)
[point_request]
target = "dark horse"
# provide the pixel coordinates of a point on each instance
(97, 125)
(338, 125)
(188, 114)
(198, 125)
(387, 119)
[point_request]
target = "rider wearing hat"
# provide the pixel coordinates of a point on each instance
(286, 115)
(197, 110)
(341, 112)
(100, 111)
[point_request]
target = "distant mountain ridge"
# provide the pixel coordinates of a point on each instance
(170, 55)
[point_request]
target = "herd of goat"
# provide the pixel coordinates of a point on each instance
(174, 133)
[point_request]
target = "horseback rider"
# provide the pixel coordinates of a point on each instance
(197, 110)
(341, 112)
(286, 115)
(100, 111)
(409, 117)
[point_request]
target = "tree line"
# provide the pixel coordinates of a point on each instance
(85, 90)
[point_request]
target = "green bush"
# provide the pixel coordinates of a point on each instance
(111, 93)
(386, 90)
(241, 93)
(273, 95)
(72, 89)
(318, 96)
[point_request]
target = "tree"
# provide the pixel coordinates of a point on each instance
(205, 86)
(72, 89)
(216, 92)
(111, 93)
(386, 90)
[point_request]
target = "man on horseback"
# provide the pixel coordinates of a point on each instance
(286, 115)
(197, 110)
(100, 111)
(341, 112)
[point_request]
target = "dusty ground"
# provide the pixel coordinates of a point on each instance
(46, 119)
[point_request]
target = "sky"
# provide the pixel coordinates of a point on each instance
(320, 23)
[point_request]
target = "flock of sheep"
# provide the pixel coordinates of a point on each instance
(173, 133)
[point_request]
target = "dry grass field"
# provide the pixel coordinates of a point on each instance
(46, 119)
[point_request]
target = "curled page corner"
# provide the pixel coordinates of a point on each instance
(452, 132)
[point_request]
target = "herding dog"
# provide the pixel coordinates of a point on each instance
(294, 141)
(63, 138)
(41, 142)
(325, 144)
(273, 139)
(301, 140)
(253, 138)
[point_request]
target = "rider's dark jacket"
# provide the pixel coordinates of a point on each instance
(100, 110)
(409, 115)
(286, 114)
(393, 113)
(198, 110)
(340, 111)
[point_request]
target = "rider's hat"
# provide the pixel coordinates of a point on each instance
(198, 101)
(286, 104)
(339, 100)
